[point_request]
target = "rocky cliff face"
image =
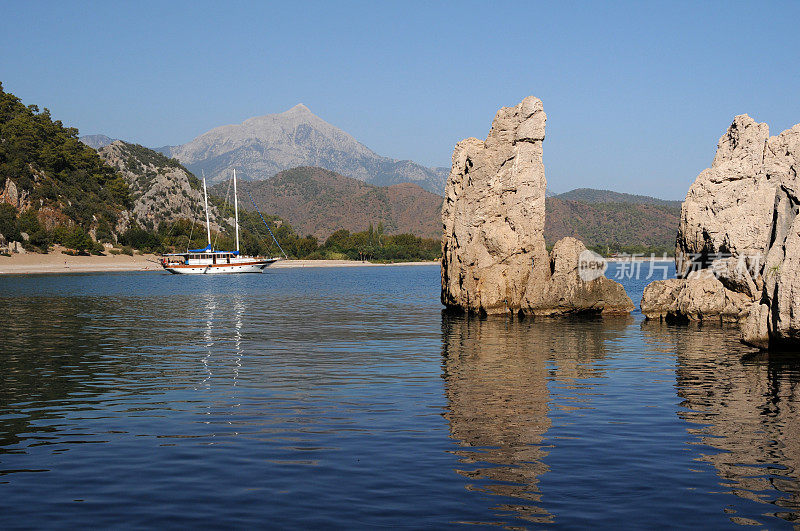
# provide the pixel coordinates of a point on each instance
(775, 319)
(265, 145)
(739, 222)
(11, 196)
(494, 258)
(728, 209)
(161, 190)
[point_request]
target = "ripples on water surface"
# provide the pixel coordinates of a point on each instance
(344, 398)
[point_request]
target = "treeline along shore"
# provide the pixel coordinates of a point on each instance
(59, 262)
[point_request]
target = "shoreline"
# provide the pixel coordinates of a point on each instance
(342, 263)
(60, 263)
(57, 262)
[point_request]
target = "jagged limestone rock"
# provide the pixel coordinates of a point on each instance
(9, 195)
(740, 220)
(565, 291)
(494, 258)
(728, 208)
(781, 273)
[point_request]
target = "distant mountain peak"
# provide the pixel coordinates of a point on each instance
(298, 109)
(262, 146)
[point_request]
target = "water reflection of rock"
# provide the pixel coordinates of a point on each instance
(745, 405)
(496, 374)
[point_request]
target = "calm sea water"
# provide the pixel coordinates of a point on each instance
(345, 398)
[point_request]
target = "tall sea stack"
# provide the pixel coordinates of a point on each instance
(494, 259)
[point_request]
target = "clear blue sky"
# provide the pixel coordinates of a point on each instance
(637, 94)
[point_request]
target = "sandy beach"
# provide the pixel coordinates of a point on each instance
(58, 262)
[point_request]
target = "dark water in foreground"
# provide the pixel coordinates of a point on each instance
(344, 398)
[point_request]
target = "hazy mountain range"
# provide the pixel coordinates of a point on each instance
(262, 146)
(321, 179)
(56, 189)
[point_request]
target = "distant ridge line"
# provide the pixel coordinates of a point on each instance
(593, 195)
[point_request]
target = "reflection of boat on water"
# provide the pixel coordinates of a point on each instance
(207, 260)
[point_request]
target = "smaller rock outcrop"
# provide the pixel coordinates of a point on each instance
(700, 298)
(9, 195)
(566, 290)
(494, 259)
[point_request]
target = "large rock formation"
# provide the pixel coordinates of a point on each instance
(740, 222)
(729, 208)
(494, 258)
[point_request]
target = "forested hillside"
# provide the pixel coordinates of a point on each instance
(320, 202)
(53, 187)
(614, 227)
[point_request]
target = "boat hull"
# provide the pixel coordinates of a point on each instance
(257, 266)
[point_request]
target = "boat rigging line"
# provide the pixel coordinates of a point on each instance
(266, 224)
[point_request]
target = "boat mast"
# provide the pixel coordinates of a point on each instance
(208, 223)
(236, 209)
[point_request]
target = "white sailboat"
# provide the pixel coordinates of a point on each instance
(208, 261)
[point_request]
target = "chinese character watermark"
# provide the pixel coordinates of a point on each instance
(639, 266)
